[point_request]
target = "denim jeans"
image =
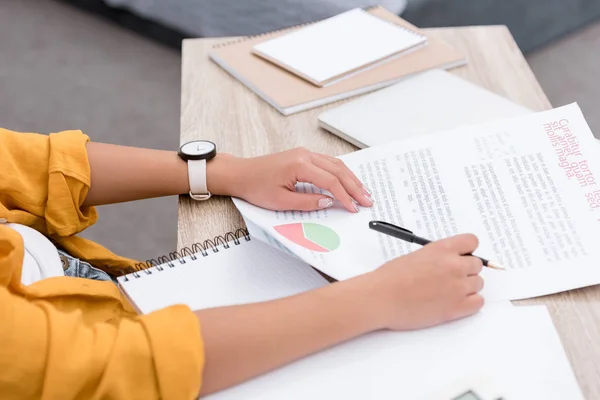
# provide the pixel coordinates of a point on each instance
(76, 268)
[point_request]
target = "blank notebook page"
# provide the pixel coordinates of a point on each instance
(520, 346)
(338, 45)
(245, 273)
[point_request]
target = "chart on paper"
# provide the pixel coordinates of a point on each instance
(311, 236)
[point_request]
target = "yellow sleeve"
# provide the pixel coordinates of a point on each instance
(49, 354)
(45, 180)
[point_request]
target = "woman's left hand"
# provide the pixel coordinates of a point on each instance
(270, 181)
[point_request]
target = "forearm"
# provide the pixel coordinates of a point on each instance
(244, 341)
(120, 173)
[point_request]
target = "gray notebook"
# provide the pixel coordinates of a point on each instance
(429, 102)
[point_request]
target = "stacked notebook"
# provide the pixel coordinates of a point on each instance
(334, 49)
(352, 53)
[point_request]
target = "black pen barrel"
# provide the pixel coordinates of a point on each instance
(420, 241)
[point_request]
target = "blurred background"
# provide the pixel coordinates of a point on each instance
(112, 69)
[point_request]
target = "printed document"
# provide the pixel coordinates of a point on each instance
(528, 187)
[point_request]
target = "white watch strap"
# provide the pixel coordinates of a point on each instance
(197, 178)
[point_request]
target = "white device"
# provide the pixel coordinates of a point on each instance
(428, 102)
(472, 386)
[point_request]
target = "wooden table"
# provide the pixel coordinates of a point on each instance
(216, 107)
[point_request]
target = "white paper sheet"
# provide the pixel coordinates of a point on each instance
(527, 187)
(520, 345)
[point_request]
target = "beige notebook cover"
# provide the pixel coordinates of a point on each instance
(289, 93)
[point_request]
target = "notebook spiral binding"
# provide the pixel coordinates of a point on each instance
(289, 28)
(196, 250)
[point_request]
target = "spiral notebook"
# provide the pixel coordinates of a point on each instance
(218, 273)
(338, 47)
(289, 94)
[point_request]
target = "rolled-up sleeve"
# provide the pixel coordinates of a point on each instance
(68, 184)
(61, 338)
(49, 354)
(45, 179)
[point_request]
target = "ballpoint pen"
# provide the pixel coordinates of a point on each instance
(406, 235)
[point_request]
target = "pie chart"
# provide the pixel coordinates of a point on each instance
(311, 236)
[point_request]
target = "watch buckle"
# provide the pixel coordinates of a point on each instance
(200, 197)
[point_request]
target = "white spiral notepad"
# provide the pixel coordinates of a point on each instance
(219, 273)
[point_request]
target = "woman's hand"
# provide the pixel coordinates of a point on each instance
(270, 181)
(430, 286)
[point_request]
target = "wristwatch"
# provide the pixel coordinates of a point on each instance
(197, 153)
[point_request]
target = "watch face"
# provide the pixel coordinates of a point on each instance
(198, 148)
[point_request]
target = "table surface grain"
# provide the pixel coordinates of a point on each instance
(216, 107)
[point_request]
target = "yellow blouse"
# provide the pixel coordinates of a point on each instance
(72, 338)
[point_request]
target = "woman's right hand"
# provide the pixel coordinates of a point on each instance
(427, 287)
(430, 286)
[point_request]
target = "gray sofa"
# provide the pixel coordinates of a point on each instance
(213, 18)
(532, 22)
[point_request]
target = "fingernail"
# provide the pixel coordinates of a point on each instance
(355, 207)
(325, 202)
(369, 200)
(367, 191)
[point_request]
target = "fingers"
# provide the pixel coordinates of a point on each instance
(339, 163)
(332, 175)
(473, 304)
(461, 244)
(474, 284)
(349, 181)
(473, 265)
(304, 201)
(325, 180)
